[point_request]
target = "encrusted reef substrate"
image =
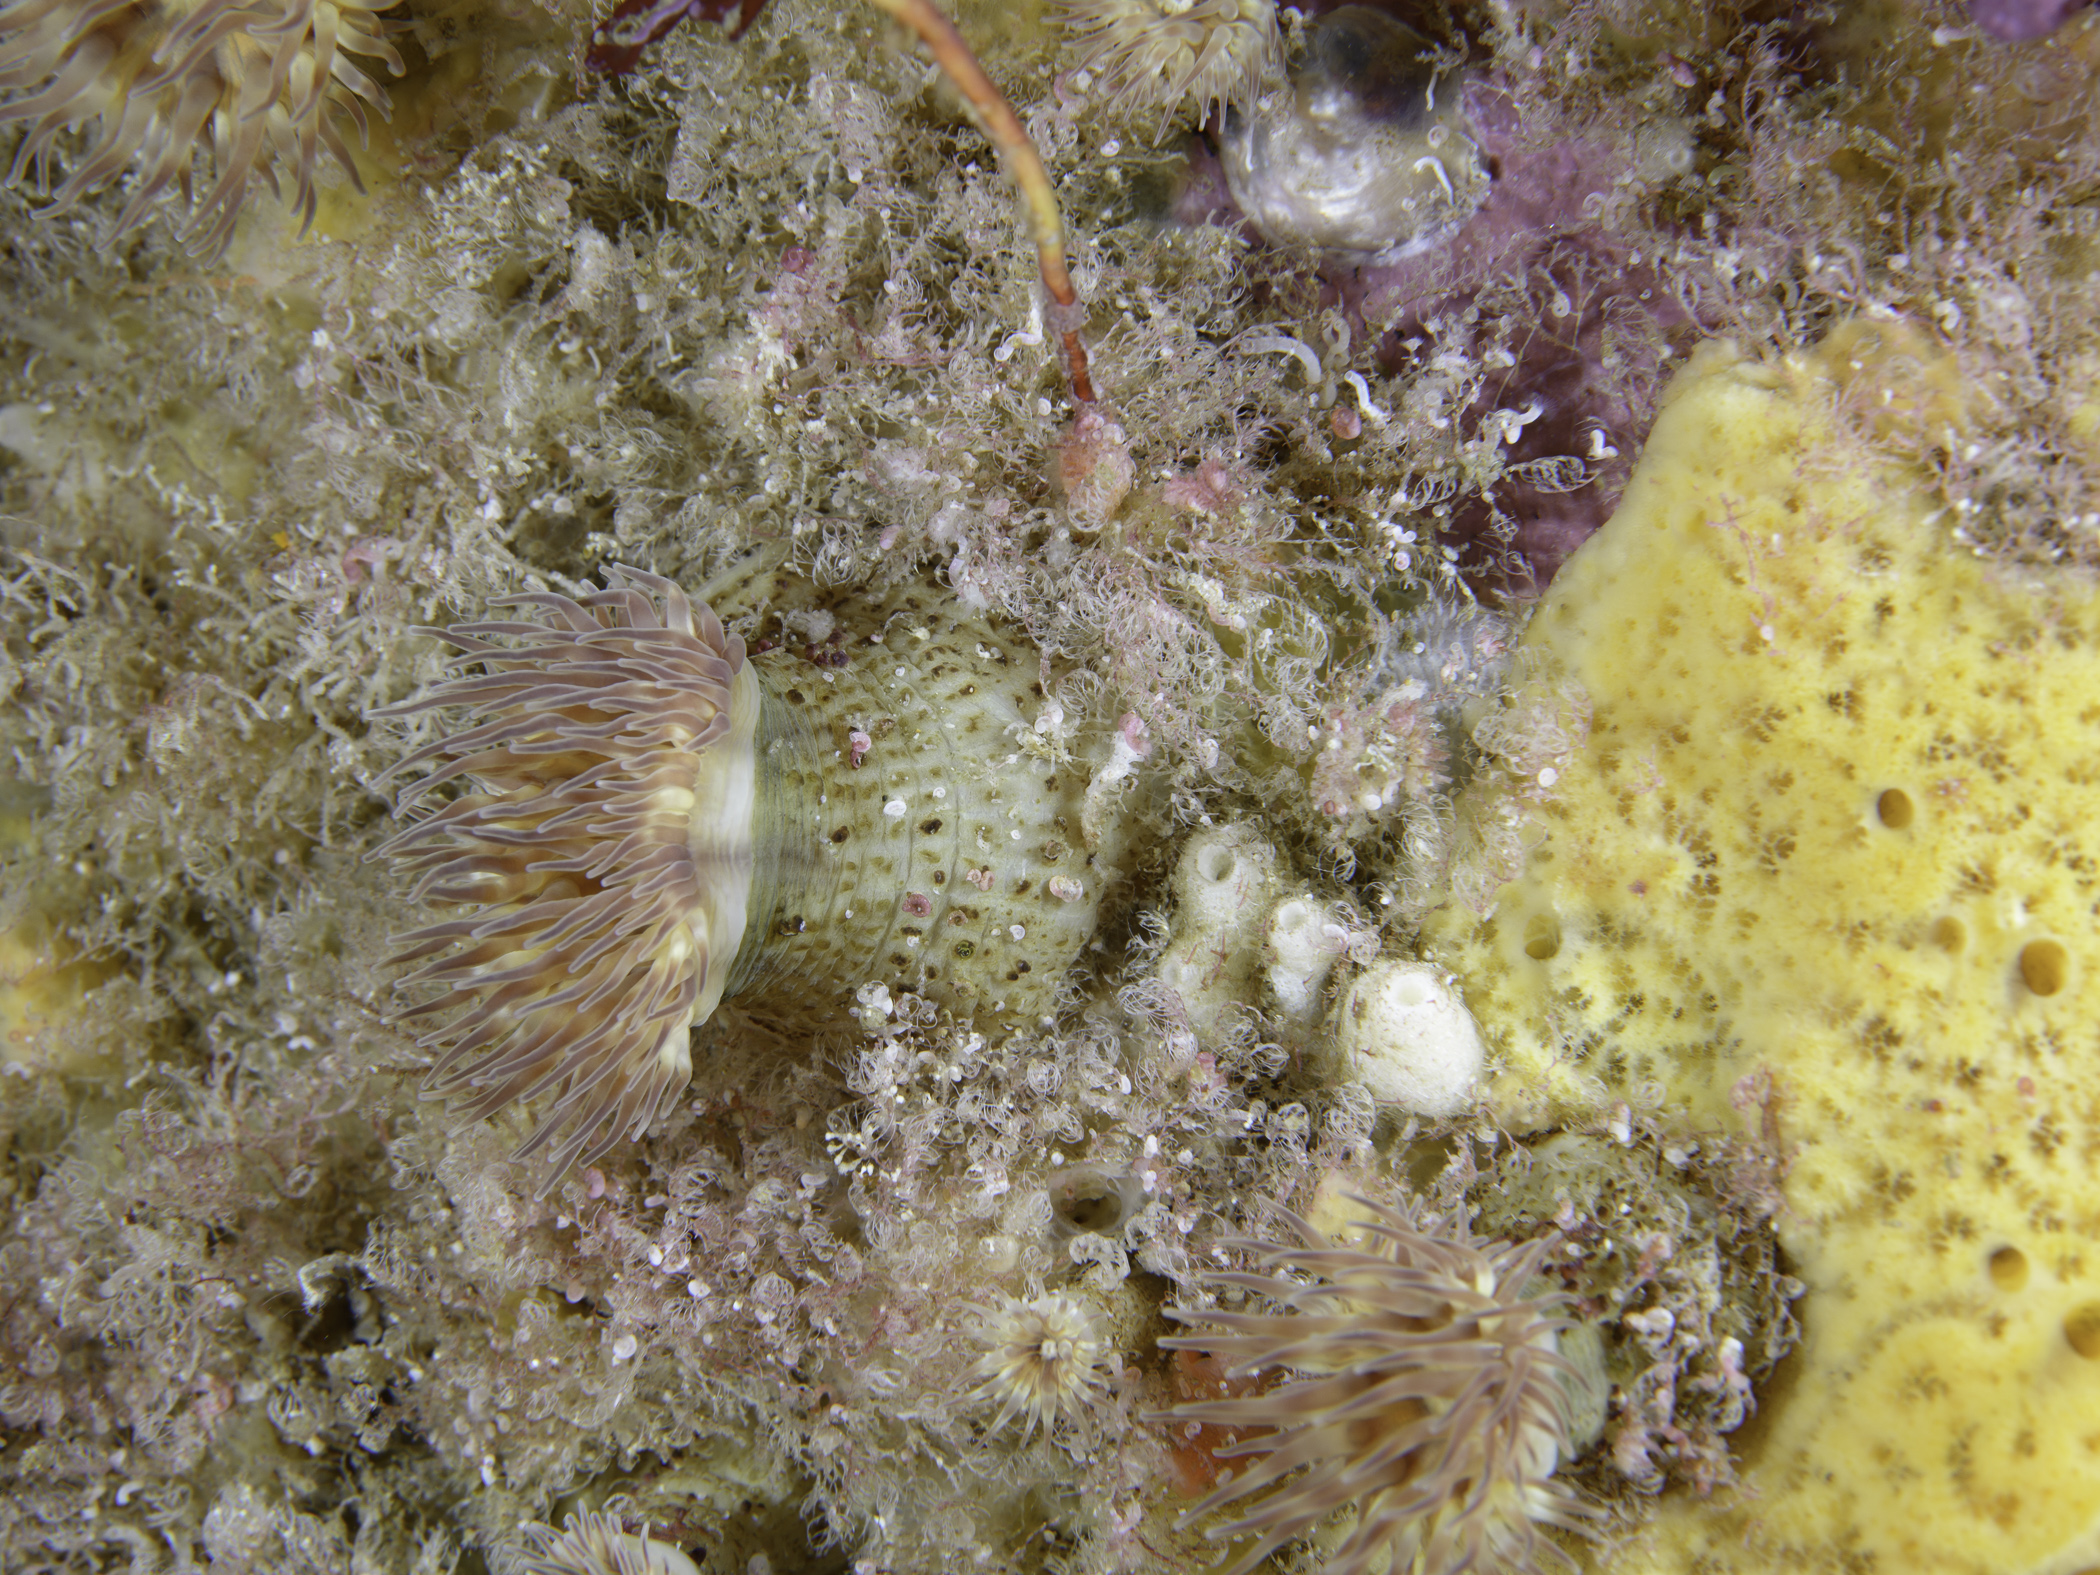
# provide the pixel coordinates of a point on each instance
(885, 1286)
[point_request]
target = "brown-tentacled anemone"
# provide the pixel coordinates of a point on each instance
(1171, 55)
(1424, 1391)
(634, 819)
(261, 85)
(595, 1544)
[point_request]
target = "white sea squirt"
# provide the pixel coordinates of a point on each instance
(1365, 153)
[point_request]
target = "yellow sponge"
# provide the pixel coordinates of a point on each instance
(43, 977)
(1830, 865)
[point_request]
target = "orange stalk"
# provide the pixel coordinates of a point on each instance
(996, 119)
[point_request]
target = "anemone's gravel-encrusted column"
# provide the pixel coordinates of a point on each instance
(906, 838)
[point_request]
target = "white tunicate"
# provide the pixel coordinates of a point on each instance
(1300, 954)
(1405, 1035)
(1224, 887)
(1368, 153)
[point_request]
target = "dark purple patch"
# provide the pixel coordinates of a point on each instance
(617, 42)
(2017, 21)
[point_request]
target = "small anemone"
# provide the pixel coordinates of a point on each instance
(605, 847)
(1042, 1361)
(262, 85)
(1165, 54)
(593, 1544)
(1425, 1390)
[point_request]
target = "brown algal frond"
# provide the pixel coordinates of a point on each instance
(1426, 1392)
(603, 848)
(260, 84)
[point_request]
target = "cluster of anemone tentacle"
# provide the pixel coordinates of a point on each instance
(1162, 55)
(601, 855)
(1424, 1388)
(262, 86)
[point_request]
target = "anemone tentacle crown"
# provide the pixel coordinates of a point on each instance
(1210, 55)
(1430, 1393)
(650, 824)
(260, 84)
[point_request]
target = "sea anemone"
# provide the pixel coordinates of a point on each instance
(1426, 1390)
(1164, 54)
(260, 86)
(1042, 1361)
(649, 825)
(593, 1544)
(606, 849)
